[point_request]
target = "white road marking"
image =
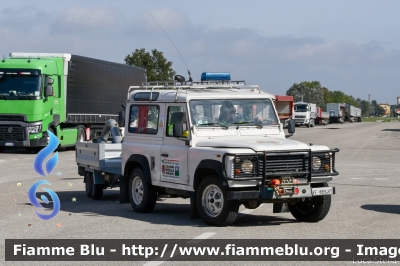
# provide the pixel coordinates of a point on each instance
(201, 237)
(381, 178)
(247, 211)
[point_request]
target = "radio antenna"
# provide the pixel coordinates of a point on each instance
(190, 75)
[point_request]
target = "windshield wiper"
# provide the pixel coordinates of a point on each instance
(249, 123)
(215, 124)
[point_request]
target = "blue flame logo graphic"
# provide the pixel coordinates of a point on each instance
(41, 156)
(50, 165)
(32, 198)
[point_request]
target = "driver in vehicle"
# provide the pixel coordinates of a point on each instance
(227, 114)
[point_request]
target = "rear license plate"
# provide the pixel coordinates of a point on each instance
(9, 144)
(322, 191)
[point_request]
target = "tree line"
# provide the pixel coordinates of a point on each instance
(313, 92)
(158, 68)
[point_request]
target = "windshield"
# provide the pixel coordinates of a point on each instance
(300, 108)
(225, 113)
(18, 84)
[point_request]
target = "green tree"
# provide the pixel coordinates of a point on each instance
(306, 91)
(328, 98)
(156, 65)
(365, 108)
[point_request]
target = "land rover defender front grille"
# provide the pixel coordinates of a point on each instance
(284, 164)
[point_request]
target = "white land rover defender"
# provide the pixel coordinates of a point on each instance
(220, 143)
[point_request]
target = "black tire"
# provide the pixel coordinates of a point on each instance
(311, 209)
(1, 149)
(96, 190)
(88, 184)
(81, 136)
(212, 203)
(143, 196)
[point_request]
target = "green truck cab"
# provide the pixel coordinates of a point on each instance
(71, 96)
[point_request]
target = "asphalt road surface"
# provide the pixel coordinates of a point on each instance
(365, 206)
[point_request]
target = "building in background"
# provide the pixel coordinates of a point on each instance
(386, 107)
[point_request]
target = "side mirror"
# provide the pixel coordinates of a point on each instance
(49, 88)
(177, 130)
(49, 81)
(49, 91)
(291, 126)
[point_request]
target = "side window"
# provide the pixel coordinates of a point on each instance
(144, 119)
(177, 114)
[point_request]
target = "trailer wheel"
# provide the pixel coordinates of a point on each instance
(143, 196)
(311, 209)
(96, 190)
(212, 203)
(81, 137)
(88, 184)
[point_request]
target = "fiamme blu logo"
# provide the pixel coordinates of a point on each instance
(49, 167)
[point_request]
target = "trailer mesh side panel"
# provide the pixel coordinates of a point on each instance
(99, 87)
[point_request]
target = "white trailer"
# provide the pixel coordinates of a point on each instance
(336, 112)
(352, 114)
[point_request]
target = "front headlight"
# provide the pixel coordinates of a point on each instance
(316, 163)
(247, 166)
(34, 129)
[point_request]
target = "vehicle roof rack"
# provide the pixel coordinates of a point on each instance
(188, 85)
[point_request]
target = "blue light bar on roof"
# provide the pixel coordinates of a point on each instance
(215, 76)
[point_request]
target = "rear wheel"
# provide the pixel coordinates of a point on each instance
(143, 196)
(311, 209)
(88, 184)
(212, 203)
(96, 190)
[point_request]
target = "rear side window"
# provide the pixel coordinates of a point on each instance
(144, 119)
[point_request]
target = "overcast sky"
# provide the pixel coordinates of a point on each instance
(351, 46)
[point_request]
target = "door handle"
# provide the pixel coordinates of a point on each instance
(164, 154)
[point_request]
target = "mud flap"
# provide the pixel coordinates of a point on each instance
(194, 213)
(280, 207)
(123, 190)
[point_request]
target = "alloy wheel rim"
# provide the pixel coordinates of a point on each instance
(212, 200)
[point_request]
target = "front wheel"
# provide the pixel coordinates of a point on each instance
(311, 209)
(143, 196)
(212, 203)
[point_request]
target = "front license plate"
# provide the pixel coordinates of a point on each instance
(9, 144)
(322, 191)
